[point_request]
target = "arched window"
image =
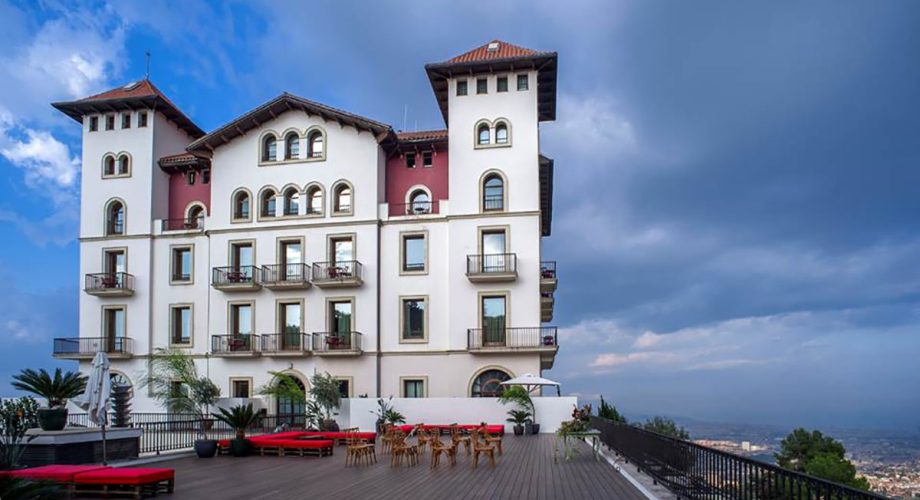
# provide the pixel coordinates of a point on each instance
(124, 165)
(482, 134)
(292, 146)
(314, 200)
(291, 410)
(269, 148)
(315, 144)
(108, 165)
(291, 201)
(420, 202)
(501, 133)
(488, 384)
(342, 199)
(493, 193)
(268, 203)
(115, 218)
(195, 217)
(241, 205)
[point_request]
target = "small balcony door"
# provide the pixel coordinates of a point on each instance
(291, 328)
(494, 251)
(341, 323)
(242, 260)
(291, 260)
(494, 320)
(343, 255)
(240, 327)
(115, 267)
(114, 328)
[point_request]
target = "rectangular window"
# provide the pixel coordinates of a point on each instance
(109, 122)
(413, 388)
(206, 176)
(410, 160)
(482, 86)
(181, 325)
(113, 328)
(522, 82)
(413, 252)
(242, 260)
(344, 388)
(178, 389)
(426, 159)
(126, 120)
(340, 317)
(501, 85)
(493, 320)
(289, 319)
(414, 318)
(182, 264)
(190, 177)
(93, 123)
(240, 319)
(495, 258)
(461, 87)
(342, 254)
(291, 254)
(115, 261)
(142, 119)
(240, 388)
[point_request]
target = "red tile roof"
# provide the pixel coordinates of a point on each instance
(422, 135)
(500, 50)
(142, 88)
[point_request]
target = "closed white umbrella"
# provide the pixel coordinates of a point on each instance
(96, 399)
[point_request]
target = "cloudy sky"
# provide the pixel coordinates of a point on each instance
(736, 185)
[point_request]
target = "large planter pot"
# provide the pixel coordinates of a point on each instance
(206, 448)
(518, 430)
(330, 426)
(528, 428)
(52, 419)
(239, 447)
(535, 428)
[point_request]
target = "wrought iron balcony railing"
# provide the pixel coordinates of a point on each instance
(414, 208)
(491, 265)
(185, 224)
(340, 273)
(77, 347)
(337, 342)
(537, 337)
(286, 275)
(548, 269)
(285, 343)
(235, 276)
(109, 284)
(239, 343)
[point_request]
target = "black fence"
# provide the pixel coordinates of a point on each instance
(337, 342)
(285, 343)
(342, 271)
(89, 346)
(285, 274)
(105, 282)
(496, 263)
(235, 275)
(238, 343)
(548, 269)
(693, 471)
(183, 224)
(526, 337)
(414, 208)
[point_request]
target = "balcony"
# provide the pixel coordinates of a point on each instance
(491, 268)
(548, 282)
(547, 304)
(286, 344)
(342, 274)
(87, 347)
(286, 276)
(195, 224)
(416, 209)
(236, 345)
(236, 278)
(337, 343)
(109, 284)
(539, 339)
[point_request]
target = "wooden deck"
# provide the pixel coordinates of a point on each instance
(526, 470)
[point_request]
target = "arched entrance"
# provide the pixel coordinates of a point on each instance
(488, 383)
(291, 411)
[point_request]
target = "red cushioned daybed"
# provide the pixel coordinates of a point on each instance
(133, 482)
(289, 443)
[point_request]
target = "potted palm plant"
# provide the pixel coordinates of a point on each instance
(56, 390)
(519, 418)
(174, 381)
(239, 418)
(519, 396)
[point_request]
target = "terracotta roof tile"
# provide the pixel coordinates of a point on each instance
(422, 135)
(496, 49)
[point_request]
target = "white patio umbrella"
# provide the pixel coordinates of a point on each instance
(530, 382)
(96, 399)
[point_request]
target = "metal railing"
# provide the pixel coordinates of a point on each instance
(88, 346)
(108, 282)
(414, 208)
(234, 344)
(291, 342)
(235, 275)
(336, 341)
(527, 337)
(492, 202)
(548, 269)
(345, 270)
(184, 224)
(693, 471)
(285, 273)
(496, 263)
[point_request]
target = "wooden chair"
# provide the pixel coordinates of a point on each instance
(457, 437)
(359, 450)
(438, 448)
(490, 439)
(386, 437)
(401, 450)
(481, 448)
(424, 439)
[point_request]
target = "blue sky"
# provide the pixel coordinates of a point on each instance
(736, 184)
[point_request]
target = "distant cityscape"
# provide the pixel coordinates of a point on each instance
(890, 460)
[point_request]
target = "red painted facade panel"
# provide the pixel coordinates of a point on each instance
(400, 178)
(181, 194)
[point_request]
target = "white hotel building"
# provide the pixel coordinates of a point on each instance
(300, 238)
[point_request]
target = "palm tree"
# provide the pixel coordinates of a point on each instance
(174, 381)
(57, 390)
(239, 418)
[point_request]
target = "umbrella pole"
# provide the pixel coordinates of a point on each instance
(103, 445)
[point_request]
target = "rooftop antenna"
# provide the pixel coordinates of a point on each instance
(405, 115)
(147, 72)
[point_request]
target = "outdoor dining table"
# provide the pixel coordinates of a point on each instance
(592, 434)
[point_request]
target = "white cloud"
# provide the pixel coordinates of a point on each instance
(44, 159)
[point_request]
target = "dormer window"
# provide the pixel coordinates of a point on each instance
(493, 47)
(109, 122)
(501, 84)
(410, 160)
(126, 120)
(522, 82)
(482, 86)
(269, 148)
(142, 119)
(483, 135)
(93, 123)
(461, 87)
(292, 146)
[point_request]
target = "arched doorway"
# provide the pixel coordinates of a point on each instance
(291, 411)
(488, 383)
